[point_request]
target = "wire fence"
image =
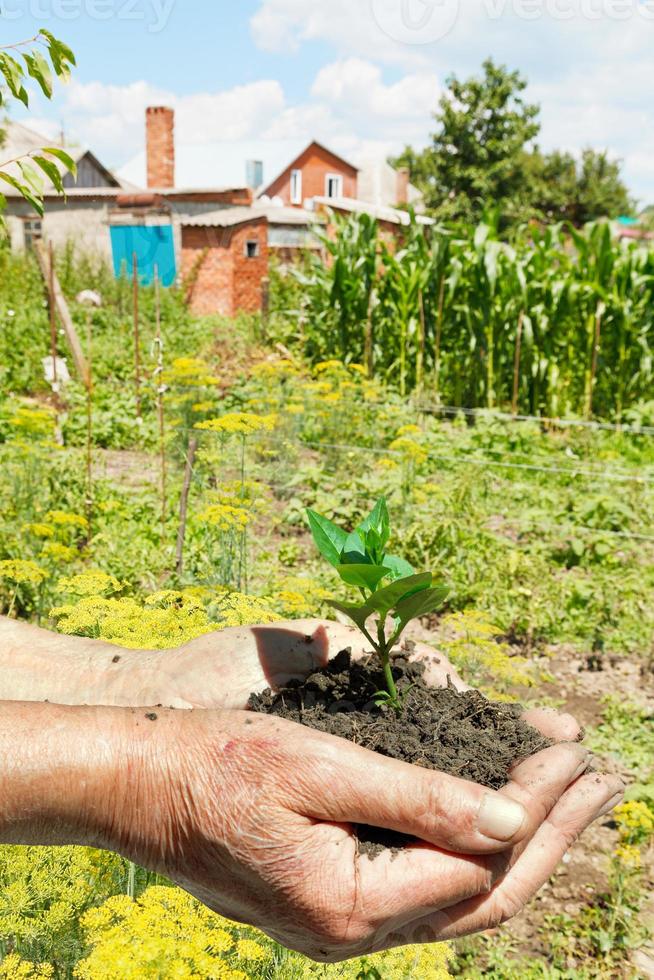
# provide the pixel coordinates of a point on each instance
(603, 475)
(453, 411)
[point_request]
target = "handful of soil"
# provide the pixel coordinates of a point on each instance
(463, 734)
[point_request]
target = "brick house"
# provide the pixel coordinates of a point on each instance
(316, 172)
(213, 231)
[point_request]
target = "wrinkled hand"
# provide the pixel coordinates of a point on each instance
(221, 670)
(253, 815)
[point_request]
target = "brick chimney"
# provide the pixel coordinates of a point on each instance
(403, 180)
(160, 145)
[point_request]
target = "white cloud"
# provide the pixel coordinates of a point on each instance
(588, 61)
(357, 87)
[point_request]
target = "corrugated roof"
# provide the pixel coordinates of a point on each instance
(230, 217)
(393, 215)
(21, 141)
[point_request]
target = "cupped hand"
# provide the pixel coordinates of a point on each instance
(254, 816)
(222, 669)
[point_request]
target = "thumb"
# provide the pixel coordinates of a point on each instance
(347, 784)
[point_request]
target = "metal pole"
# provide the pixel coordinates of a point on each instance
(137, 343)
(53, 318)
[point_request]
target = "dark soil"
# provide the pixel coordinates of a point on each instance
(463, 734)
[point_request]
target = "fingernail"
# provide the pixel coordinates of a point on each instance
(611, 805)
(583, 767)
(500, 817)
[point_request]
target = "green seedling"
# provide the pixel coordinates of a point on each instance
(393, 594)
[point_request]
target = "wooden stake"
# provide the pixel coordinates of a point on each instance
(53, 317)
(137, 342)
(516, 365)
(89, 421)
(420, 366)
(439, 337)
(599, 313)
(369, 340)
(183, 504)
(161, 389)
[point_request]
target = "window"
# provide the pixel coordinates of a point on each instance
(296, 187)
(33, 231)
(252, 250)
(334, 185)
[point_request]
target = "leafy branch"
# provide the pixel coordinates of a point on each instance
(361, 560)
(15, 70)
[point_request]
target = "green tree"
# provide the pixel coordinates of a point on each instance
(477, 155)
(578, 191)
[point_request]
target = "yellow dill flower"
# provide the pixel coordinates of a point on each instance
(409, 430)
(64, 519)
(189, 372)
(317, 387)
(59, 553)
(201, 407)
(295, 409)
(635, 820)
(225, 517)
(90, 583)
(476, 651)
(628, 855)
(385, 463)
(235, 609)
(332, 398)
(271, 370)
(239, 423)
(14, 968)
(37, 422)
(170, 599)
(329, 366)
(359, 369)
(39, 530)
(248, 949)
(128, 623)
(21, 572)
(410, 450)
(164, 933)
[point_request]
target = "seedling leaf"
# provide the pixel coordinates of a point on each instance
(420, 604)
(330, 539)
(398, 566)
(354, 551)
(358, 614)
(389, 597)
(362, 576)
(378, 520)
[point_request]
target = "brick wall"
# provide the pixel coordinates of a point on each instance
(160, 144)
(249, 272)
(315, 163)
(217, 272)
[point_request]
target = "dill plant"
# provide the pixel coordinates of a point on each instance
(362, 562)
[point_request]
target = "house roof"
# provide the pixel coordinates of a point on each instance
(220, 164)
(223, 163)
(230, 217)
(392, 215)
(20, 140)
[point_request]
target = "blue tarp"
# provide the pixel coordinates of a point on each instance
(154, 246)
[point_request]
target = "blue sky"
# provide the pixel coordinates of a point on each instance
(361, 75)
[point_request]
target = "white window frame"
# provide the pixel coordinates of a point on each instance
(339, 181)
(296, 187)
(255, 245)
